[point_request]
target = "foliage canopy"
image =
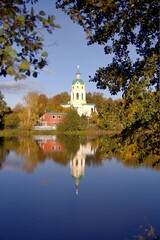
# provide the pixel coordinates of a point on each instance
(21, 39)
(120, 26)
(4, 109)
(129, 32)
(72, 122)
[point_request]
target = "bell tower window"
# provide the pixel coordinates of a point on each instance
(77, 96)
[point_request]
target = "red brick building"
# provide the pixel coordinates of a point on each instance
(51, 119)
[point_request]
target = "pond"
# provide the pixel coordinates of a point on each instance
(62, 188)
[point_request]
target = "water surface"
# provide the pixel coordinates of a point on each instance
(61, 188)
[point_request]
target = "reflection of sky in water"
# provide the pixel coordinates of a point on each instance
(12, 162)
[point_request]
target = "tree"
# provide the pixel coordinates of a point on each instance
(58, 99)
(109, 119)
(96, 98)
(4, 109)
(120, 26)
(129, 32)
(21, 41)
(11, 120)
(109, 115)
(29, 113)
(42, 103)
(72, 122)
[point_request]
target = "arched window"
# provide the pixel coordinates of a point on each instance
(81, 162)
(76, 162)
(82, 96)
(77, 96)
(73, 96)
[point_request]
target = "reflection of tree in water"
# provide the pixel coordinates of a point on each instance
(60, 157)
(71, 143)
(27, 149)
(95, 159)
(131, 151)
(105, 148)
(32, 154)
(3, 151)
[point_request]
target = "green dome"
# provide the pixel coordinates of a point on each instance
(79, 81)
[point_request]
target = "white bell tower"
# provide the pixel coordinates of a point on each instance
(78, 91)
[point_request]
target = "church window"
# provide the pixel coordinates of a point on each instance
(82, 87)
(77, 86)
(77, 96)
(76, 162)
(82, 96)
(73, 96)
(54, 116)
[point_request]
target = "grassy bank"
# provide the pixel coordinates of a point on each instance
(15, 132)
(22, 132)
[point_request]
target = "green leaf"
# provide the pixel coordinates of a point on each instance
(6, 25)
(45, 23)
(10, 71)
(42, 13)
(44, 54)
(25, 65)
(10, 51)
(40, 39)
(2, 39)
(20, 18)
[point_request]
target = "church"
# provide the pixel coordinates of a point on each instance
(78, 97)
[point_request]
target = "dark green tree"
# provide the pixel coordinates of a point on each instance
(109, 119)
(72, 122)
(11, 120)
(21, 41)
(4, 109)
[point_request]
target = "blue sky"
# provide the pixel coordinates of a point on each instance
(67, 48)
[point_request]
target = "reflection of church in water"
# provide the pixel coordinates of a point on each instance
(77, 163)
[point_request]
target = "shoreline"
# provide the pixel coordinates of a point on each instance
(22, 132)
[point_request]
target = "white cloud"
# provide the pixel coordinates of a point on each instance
(14, 87)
